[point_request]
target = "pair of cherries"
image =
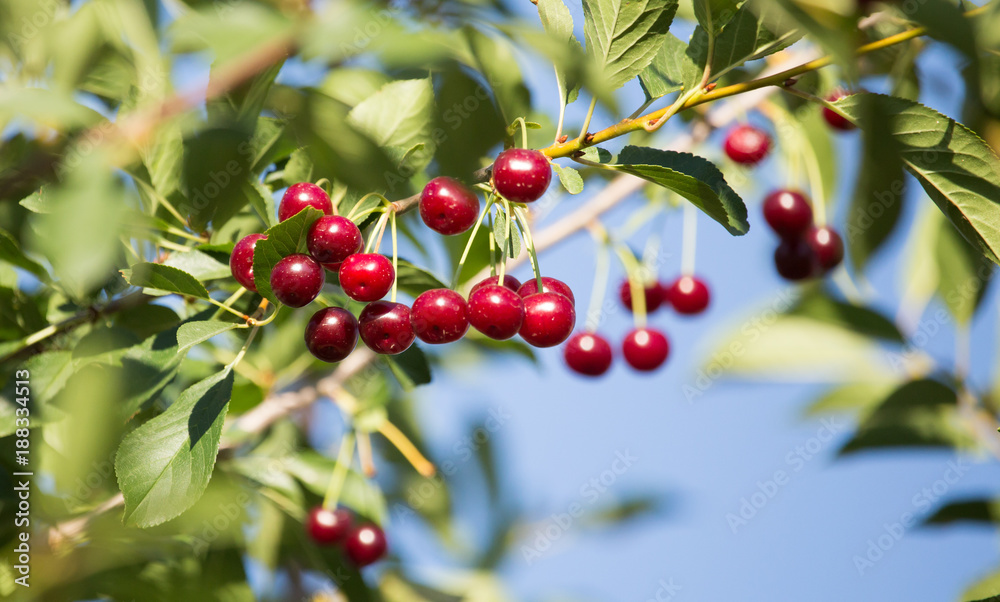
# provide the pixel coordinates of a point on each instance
(688, 295)
(363, 544)
(805, 251)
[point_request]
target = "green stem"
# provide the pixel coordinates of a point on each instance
(395, 255)
(602, 268)
(222, 305)
(636, 286)
(344, 459)
(582, 139)
(522, 221)
(524, 132)
(493, 247)
(468, 245)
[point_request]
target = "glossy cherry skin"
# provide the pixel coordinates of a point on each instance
(439, 316)
(688, 295)
(297, 279)
(496, 311)
(302, 195)
(795, 260)
(788, 212)
(508, 281)
(747, 145)
(645, 349)
(366, 276)
(652, 293)
(241, 261)
(327, 527)
(332, 239)
(332, 334)
(385, 327)
(365, 545)
(448, 207)
(521, 175)
(828, 247)
(834, 119)
(549, 319)
(549, 285)
(588, 353)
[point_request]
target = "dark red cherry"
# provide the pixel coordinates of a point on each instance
(332, 239)
(241, 261)
(297, 279)
(508, 281)
(688, 295)
(795, 260)
(788, 212)
(549, 285)
(385, 327)
(439, 316)
(828, 247)
(302, 195)
(521, 175)
(836, 120)
(496, 311)
(332, 334)
(588, 353)
(366, 276)
(327, 527)
(747, 145)
(645, 349)
(652, 293)
(448, 207)
(549, 319)
(365, 545)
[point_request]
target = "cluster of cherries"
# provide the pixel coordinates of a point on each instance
(363, 544)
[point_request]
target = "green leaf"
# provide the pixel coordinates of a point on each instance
(261, 200)
(623, 36)
(712, 15)
(164, 278)
(493, 56)
(963, 274)
(299, 168)
(313, 470)
(49, 373)
(190, 334)
(558, 23)
(862, 320)
(11, 253)
(984, 511)
(284, 239)
(37, 202)
(164, 466)
(413, 280)
(471, 134)
(985, 589)
(858, 398)
(398, 115)
(410, 368)
(569, 178)
(200, 265)
(671, 69)
(503, 225)
(754, 31)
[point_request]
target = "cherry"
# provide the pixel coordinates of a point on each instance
(241, 261)
(652, 293)
(365, 545)
(827, 245)
(521, 175)
(439, 316)
(297, 279)
(688, 294)
(448, 207)
(549, 319)
(496, 311)
(508, 281)
(645, 349)
(366, 276)
(836, 120)
(747, 145)
(549, 285)
(788, 212)
(332, 334)
(327, 527)
(302, 195)
(385, 327)
(588, 353)
(332, 239)
(795, 260)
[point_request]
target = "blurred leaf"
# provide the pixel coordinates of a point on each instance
(834, 28)
(558, 23)
(467, 123)
(856, 398)
(494, 58)
(414, 280)
(806, 141)
(410, 368)
(963, 274)
(214, 169)
(862, 320)
(351, 85)
(755, 30)
(230, 31)
(313, 470)
(11, 253)
(985, 511)
(623, 37)
(985, 590)
(200, 265)
(261, 200)
(399, 116)
(284, 239)
(164, 278)
(37, 202)
(619, 512)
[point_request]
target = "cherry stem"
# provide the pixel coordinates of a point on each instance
(602, 269)
(365, 455)
(375, 237)
(522, 221)
(406, 447)
(222, 305)
(339, 475)
(505, 253)
(582, 139)
(689, 239)
(524, 132)
(637, 287)
(395, 255)
(468, 245)
(493, 247)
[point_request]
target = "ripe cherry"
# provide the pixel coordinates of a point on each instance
(549, 285)
(332, 239)
(496, 311)
(588, 353)
(836, 120)
(448, 207)
(297, 279)
(521, 175)
(385, 327)
(747, 145)
(302, 195)
(332, 334)
(795, 260)
(366, 276)
(688, 294)
(365, 545)
(652, 293)
(327, 527)
(508, 281)
(549, 319)
(241, 261)
(827, 245)
(788, 213)
(645, 349)
(439, 316)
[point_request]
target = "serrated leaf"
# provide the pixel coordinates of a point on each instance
(413, 280)
(712, 15)
(261, 200)
(198, 264)
(161, 277)
(569, 178)
(757, 29)
(671, 69)
(623, 36)
(284, 239)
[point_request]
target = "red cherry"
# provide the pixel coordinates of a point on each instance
(365, 545)
(747, 145)
(241, 261)
(439, 316)
(496, 311)
(448, 207)
(588, 353)
(788, 213)
(385, 327)
(645, 349)
(827, 245)
(549, 319)
(795, 260)
(332, 239)
(366, 276)
(521, 175)
(836, 120)
(549, 285)
(508, 281)
(302, 195)
(332, 334)
(652, 293)
(327, 527)
(297, 279)
(688, 294)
